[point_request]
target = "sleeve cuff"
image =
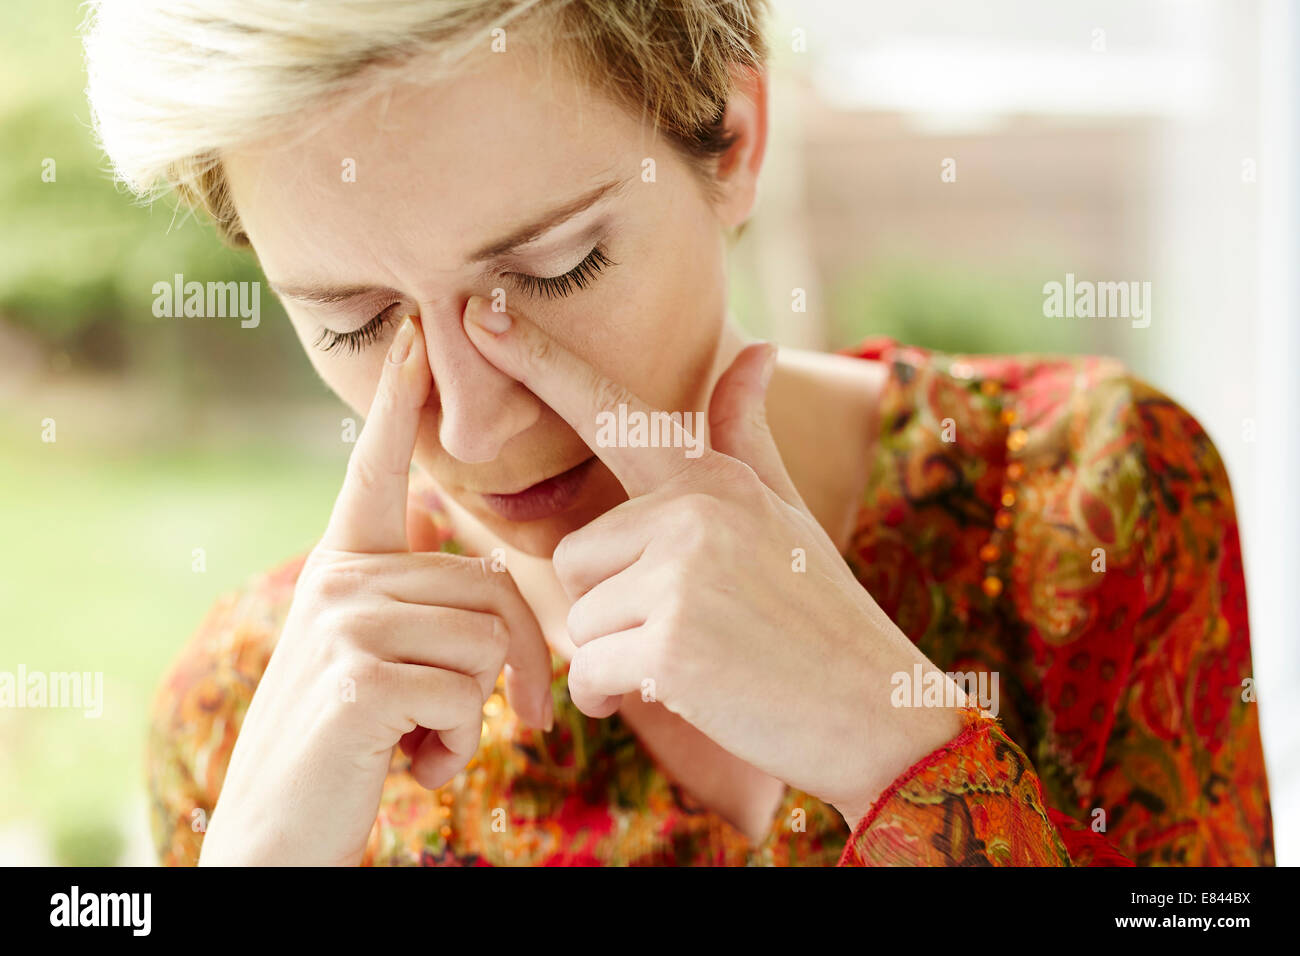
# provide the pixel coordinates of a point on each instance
(975, 801)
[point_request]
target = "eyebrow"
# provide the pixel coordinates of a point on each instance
(522, 236)
(555, 217)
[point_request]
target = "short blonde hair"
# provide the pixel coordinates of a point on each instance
(175, 83)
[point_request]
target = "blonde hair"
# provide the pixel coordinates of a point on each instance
(175, 83)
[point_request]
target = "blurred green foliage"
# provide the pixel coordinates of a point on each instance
(951, 308)
(99, 527)
(93, 843)
(97, 574)
(79, 256)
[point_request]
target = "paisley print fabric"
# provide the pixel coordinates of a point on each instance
(1053, 522)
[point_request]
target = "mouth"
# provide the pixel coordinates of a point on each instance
(545, 499)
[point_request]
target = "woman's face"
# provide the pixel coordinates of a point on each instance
(509, 176)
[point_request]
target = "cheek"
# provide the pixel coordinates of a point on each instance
(352, 377)
(655, 326)
(686, 320)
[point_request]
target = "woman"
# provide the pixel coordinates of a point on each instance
(878, 607)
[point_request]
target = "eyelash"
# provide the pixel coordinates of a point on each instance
(552, 287)
(357, 340)
(579, 277)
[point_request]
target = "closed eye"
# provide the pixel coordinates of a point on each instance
(576, 279)
(551, 287)
(358, 340)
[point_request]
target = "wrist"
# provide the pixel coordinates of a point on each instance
(913, 735)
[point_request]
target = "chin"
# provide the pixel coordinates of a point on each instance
(539, 537)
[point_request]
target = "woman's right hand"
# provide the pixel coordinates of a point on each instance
(380, 646)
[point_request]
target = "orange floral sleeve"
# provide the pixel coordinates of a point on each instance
(1113, 574)
(973, 802)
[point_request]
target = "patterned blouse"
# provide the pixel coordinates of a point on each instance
(1051, 522)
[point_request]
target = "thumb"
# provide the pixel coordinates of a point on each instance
(738, 419)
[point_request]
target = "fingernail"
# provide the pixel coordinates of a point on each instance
(769, 366)
(548, 711)
(485, 317)
(401, 346)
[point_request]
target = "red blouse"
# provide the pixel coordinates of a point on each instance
(1053, 523)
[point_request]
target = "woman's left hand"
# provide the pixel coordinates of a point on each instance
(714, 591)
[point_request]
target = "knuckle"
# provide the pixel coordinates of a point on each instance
(577, 621)
(330, 625)
(582, 670)
(608, 394)
(361, 474)
(661, 661)
(370, 673)
(363, 622)
(351, 623)
(540, 351)
(673, 602)
(464, 696)
(567, 563)
(481, 567)
(371, 474)
(700, 508)
(695, 520)
(565, 552)
(497, 637)
(386, 400)
(334, 581)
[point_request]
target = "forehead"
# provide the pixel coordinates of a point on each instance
(425, 171)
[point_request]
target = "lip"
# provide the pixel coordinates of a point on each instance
(548, 497)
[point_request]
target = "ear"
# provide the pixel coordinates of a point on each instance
(745, 121)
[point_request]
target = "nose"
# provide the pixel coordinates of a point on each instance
(480, 408)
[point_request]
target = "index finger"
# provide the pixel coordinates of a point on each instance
(643, 447)
(369, 515)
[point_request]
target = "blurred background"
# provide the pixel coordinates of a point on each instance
(932, 165)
